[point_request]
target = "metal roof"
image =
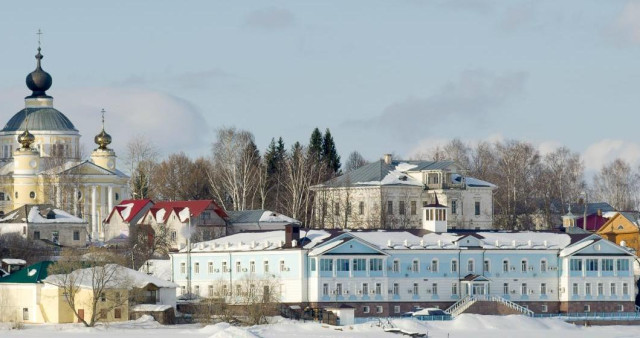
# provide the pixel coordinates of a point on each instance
(31, 274)
(39, 119)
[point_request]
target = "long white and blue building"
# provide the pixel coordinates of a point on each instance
(385, 273)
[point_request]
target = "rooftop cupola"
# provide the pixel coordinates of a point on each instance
(39, 81)
(103, 156)
(102, 139)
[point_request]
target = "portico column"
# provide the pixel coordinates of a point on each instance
(75, 201)
(94, 225)
(59, 196)
(110, 199)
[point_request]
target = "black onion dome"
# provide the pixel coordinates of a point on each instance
(39, 81)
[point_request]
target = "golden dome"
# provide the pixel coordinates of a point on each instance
(102, 140)
(26, 139)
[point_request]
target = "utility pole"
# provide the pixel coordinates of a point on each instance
(189, 254)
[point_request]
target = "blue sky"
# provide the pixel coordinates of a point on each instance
(385, 76)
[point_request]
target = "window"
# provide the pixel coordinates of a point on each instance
(197, 290)
(477, 208)
(415, 266)
(252, 266)
(378, 309)
(505, 288)
(266, 266)
(312, 263)
(32, 195)
(378, 288)
(16, 195)
(210, 267)
(103, 297)
(239, 267)
(619, 307)
(183, 290)
(592, 264)
(76, 235)
(434, 265)
(454, 207)
(25, 313)
(342, 264)
(359, 264)
(339, 288)
(196, 267)
(173, 236)
(225, 291)
(205, 215)
(282, 267)
(434, 288)
(117, 313)
(401, 208)
(361, 208)
(454, 288)
(613, 289)
(505, 265)
(325, 289)
(543, 266)
(325, 264)
(524, 265)
(543, 288)
(183, 267)
(36, 235)
(625, 289)
(575, 265)
(587, 308)
(575, 290)
(607, 265)
(487, 266)
(470, 265)
(413, 207)
(375, 264)
(524, 288)
(55, 237)
(454, 266)
(600, 289)
(623, 264)
(117, 197)
(415, 288)
(365, 309)
(210, 292)
(224, 267)
(396, 266)
(396, 288)
(544, 308)
(365, 288)
(336, 209)
(587, 289)
(396, 309)
(390, 207)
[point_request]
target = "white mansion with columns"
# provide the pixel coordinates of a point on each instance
(40, 161)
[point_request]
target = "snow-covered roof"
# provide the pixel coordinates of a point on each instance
(255, 241)
(14, 261)
(123, 278)
(38, 214)
(160, 268)
(61, 216)
(575, 248)
(150, 308)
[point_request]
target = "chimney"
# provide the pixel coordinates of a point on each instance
(291, 235)
(599, 212)
(387, 158)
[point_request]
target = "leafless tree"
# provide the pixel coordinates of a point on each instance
(617, 184)
(140, 161)
(355, 161)
(234, 168)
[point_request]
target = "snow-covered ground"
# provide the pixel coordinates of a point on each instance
(475, 326)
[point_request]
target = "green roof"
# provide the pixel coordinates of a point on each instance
(39, 119)
(31, 274)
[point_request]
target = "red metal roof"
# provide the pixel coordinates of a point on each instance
(195, 208)
(135, 209)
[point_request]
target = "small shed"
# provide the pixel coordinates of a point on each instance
(345, 313)
(163, 314)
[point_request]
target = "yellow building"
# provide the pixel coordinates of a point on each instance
(623, 226)
(41, 161)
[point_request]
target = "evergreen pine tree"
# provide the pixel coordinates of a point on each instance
(329, 152)
(315, 145)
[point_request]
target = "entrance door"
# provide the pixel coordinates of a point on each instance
(478, 289)
(80, 315)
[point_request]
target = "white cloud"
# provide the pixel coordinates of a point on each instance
(627, 25)
(469, 100)
(171, 123)
(607, 150)
(271, 18)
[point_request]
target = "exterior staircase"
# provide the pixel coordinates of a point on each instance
(465, 303)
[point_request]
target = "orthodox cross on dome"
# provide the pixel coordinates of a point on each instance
(103, 139)
(102, 112)
(39, 33)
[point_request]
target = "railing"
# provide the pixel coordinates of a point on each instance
(512, 305)
(637, 308)
(461, 305)
(591, 315)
